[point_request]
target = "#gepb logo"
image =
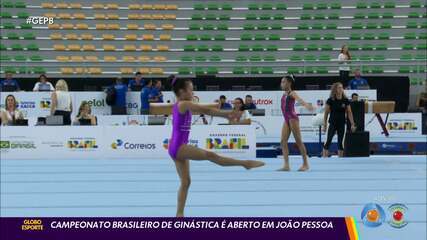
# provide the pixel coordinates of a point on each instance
(373, 215)
(397, 215)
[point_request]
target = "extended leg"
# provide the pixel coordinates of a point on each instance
(286, 132)
(183, 169)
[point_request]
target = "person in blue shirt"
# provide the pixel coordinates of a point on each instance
(223, 104)
(156, 92)
(119, 107)
(146, 97)
(249, 104)
(9, 84)
(136, 84)
(358, 81)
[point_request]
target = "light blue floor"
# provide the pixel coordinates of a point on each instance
(333, 187)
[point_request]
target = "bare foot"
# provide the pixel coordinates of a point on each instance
(285, 169)
(304, 168)
(249, 164)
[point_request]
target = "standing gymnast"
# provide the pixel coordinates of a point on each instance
(337, 106)
(180, 151)
(291, 123)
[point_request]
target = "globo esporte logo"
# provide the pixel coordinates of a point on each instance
(120, 144)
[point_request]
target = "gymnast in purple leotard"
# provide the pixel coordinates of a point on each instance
(181, 130)
(180, 151)
(291, 123)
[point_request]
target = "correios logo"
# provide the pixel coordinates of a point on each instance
(120, 144)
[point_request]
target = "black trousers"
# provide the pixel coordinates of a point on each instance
(344, 77)
(330, 132)
(66, 116)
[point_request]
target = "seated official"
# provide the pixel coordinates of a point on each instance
(249, 104)
(224, 105)
(239, 114)
(358, 82)
(11, 113)
(43, 85)
(9, 84)
(84, 115)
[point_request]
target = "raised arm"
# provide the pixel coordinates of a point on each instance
(194, 107)
(301, 101)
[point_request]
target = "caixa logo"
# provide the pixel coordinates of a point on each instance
(26, 104)
(132, 146)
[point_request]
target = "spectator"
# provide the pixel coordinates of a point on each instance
(343, 59)
(9, 84)
(43, 85)
(358, 81)
(223, 104)
(11, 112)
(146, 97)
(240, 114)
(354, 97)
(421, 102)
(156, 92)
(61, 102)
(85, 112)
(249, 105)
(119, 105)
(136, 84)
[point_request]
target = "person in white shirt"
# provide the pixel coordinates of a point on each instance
(240, 115)
(61, 102)
(43, 85)
(11, 113)
(344, 59)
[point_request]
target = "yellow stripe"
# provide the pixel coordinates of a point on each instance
(352, 228)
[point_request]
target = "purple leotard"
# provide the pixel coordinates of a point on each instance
(288, 108)
(181, 125)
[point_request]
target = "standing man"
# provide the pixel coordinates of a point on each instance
(146, 97)
(156, 92)
(119, 106)
(136, 84)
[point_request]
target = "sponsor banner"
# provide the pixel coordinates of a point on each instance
(32, 104)
(60, 142)
(136, 142)
(331, 228)
(398, 125)
(231, 140)
(37, 104)
(111, 142)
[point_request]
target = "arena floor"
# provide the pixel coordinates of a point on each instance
(333, 187)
